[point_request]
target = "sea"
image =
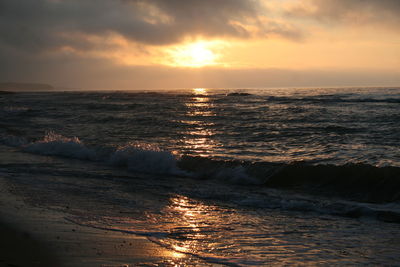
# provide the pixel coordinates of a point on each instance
(230, 177)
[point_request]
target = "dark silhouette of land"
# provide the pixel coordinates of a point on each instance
(16, 87)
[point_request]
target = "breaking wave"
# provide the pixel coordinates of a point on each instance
(358, 182)
(57, 145)
(135, 157)
(145, 158)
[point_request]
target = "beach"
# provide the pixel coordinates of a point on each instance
(199, 133)
(19, 249)
(35, 236)
(40, 235)
(205, 178)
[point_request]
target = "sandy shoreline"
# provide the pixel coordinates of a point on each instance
(42, 237)
(18, 248)
(60, 241)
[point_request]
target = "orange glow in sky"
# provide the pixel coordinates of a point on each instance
(207, 43)
(197, 54)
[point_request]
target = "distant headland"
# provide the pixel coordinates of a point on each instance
(21, 87)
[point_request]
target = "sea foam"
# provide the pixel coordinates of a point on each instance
(57, 145)
(135, 157)
(359, 182)
(145, 158)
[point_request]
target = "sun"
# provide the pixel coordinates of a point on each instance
(195, 55)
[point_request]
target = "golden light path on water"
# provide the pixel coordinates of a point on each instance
(197, 137)
(189, 220)
(217, 234)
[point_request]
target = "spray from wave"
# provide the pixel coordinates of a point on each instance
(57, 145)
(145, 158)
(359, 182)
(137, 157)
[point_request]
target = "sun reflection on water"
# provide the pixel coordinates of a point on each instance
(199, 91)
(197, 228)
(198, 135)
(188, 220)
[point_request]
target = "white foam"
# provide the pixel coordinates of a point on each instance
(145, 158)
(136, 157)
(133, 156)
(57, 145)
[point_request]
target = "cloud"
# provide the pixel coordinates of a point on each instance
(99, 73)
(354, 12)
(39, 25)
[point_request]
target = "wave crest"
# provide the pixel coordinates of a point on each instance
(145, 158)
(57, 145)
(358, 182)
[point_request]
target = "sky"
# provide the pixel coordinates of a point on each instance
(145, 44)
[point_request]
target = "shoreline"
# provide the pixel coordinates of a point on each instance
(68, 243)
(42, 237)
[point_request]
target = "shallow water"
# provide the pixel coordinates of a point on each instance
(206, 173)
(203, 221)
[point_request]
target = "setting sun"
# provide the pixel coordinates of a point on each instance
(196, 132)
(195, 55)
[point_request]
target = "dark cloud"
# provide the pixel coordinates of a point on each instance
(36, 25)
(362, 12)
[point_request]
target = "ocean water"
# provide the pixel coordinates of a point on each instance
(231, 177)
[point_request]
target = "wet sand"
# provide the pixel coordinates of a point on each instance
(18, 248)
(31, 236)
(38, 232)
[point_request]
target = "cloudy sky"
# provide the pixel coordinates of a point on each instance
(129, 44)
